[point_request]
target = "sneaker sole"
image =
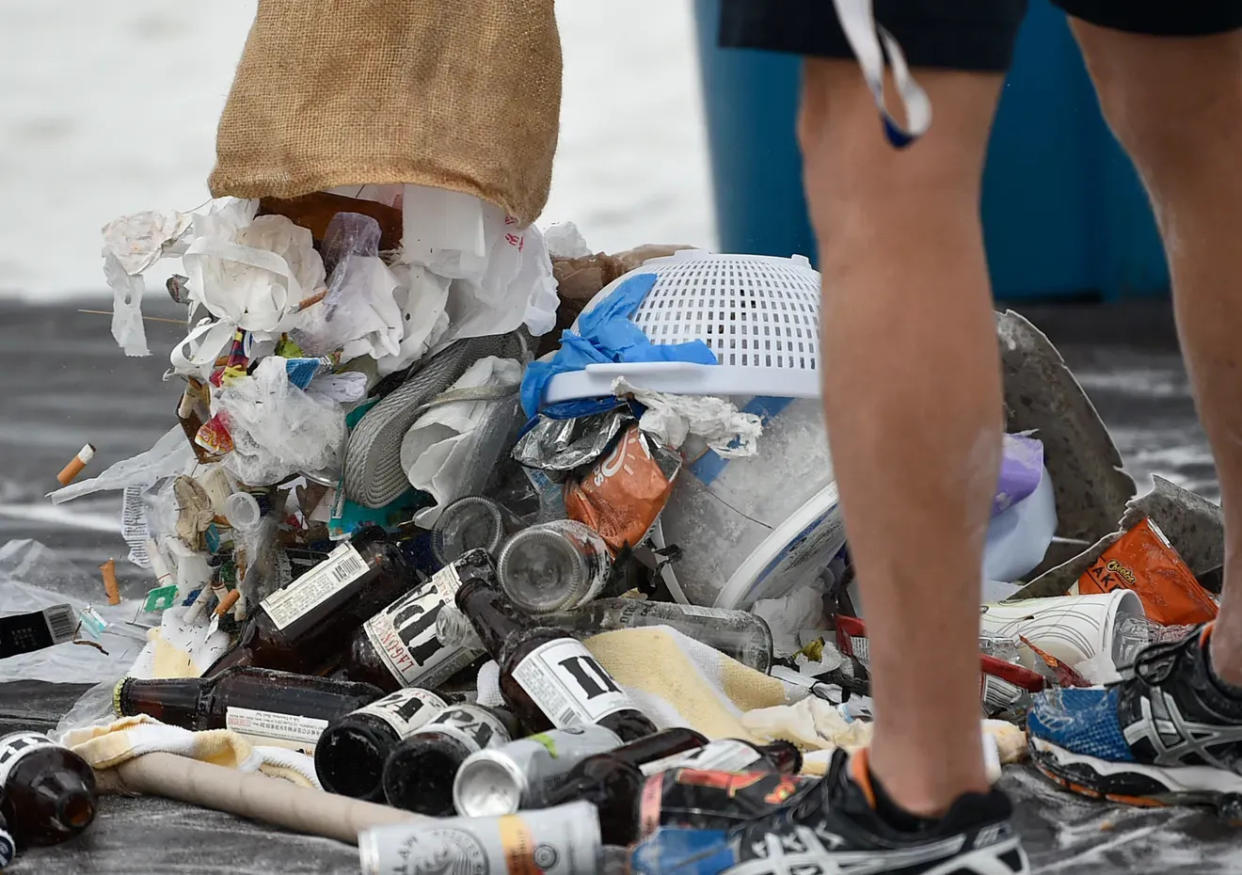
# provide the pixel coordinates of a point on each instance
(1138, 784)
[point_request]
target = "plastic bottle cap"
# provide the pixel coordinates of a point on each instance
(542, 571)
(242, 510)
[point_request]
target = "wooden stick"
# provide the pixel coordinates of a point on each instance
(253, 795)
(180, 322)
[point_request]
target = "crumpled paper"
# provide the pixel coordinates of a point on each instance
(501, 273)
(256, 275)
(443, 451)
(673, 418)
(131, 245)
(277, 428)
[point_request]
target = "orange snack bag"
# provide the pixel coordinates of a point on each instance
(621, 494)
(1144, 561)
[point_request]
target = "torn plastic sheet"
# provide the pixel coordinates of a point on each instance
(671, 419)
(34, 577)
(141, 239)
(1042, 396)
(278, 429)
(127, 327)
(170, 455)
(131, 245)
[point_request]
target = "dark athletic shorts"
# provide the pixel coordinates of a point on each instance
(957, 34)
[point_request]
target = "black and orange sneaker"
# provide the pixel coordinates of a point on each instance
(1168, 733)
(835, 827)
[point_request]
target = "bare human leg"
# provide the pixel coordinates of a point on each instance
(912, 396)
(1176, 105)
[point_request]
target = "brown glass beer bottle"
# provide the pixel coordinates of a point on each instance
(349, 758)
(274, 706)
(420, 770)
(400, 646)
(47, 792)
(303, 627)
(547, 678)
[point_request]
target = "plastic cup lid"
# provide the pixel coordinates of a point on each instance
(242, 510)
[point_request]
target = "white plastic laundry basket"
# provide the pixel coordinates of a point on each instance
(759, 315)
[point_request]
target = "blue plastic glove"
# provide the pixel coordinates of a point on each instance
(606, 334)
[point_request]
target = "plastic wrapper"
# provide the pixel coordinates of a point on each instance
(32, 578)
(1144, 561)
(277, 429)
(623, 493)
(558, 446)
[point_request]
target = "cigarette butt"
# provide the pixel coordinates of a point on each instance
(70, 472)
(108, 572)
(227, 603)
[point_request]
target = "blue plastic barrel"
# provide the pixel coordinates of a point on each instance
(1063, 211)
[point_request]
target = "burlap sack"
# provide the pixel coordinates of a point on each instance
(462, 95)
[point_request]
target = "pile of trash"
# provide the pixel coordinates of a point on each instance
(420, 556)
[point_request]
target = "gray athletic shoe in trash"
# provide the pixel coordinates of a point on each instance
(373, 473)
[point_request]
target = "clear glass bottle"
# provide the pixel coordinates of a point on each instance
(740, 634)
(553, 566)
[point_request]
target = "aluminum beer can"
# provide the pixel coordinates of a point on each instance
(564, 840)
(496, 780)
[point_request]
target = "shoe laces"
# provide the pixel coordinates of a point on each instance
(1155, 663)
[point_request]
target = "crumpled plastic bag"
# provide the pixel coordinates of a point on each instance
(34, 577)
(606, 334)
(673, 418)
(1022, 468)
(359, 313)
(501, 273)
(277, 428)
(453, 445)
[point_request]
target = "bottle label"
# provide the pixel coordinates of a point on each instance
(405, 710)
(551, 841)
(15, 746)
(404, 634)
(470, 724)
(22, 633)
(720, 756)
(272, 726)
(343, 566)
(568, 685)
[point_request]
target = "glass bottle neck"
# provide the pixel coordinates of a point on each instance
(491, 613)
(170, 701)
(658, 745)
